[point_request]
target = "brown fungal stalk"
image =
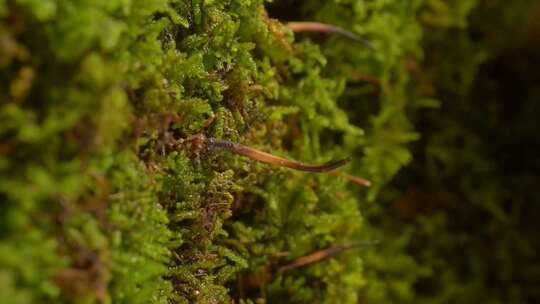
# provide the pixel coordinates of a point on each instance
(304, 26)
(353, 179)
(213, 143)
(322, 255)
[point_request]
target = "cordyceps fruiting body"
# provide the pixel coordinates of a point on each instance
(213, 143)
(200, 143)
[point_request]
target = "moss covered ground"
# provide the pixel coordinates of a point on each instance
(107, 198)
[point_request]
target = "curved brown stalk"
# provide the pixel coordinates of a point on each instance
(272, 159)
(354, 179)
(304, 26)
(323, 254)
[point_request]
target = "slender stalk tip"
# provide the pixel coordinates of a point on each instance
(337, 164)
(307, 26)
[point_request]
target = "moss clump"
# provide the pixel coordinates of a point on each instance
(129, 213)
(66, 187)
(106, 199)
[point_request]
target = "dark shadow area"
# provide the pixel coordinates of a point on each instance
(471, 190)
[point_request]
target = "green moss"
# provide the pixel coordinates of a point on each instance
(108, 201)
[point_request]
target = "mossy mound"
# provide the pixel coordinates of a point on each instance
(106, 199)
